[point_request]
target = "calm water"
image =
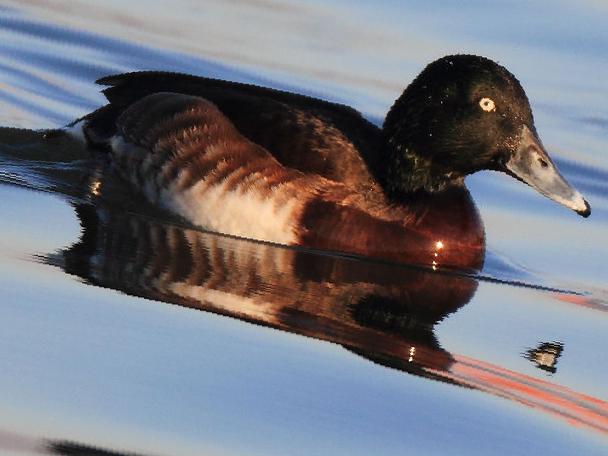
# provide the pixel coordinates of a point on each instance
(122, 329)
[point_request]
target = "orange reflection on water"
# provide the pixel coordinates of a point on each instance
(577, 409)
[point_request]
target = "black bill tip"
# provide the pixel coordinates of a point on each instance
(585, 212)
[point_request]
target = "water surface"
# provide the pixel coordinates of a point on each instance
(125, 330)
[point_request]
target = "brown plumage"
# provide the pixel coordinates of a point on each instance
(301, 132)
(315, 164)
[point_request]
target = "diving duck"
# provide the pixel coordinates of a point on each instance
(274, 166)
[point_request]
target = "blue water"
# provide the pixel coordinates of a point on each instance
(105, 343)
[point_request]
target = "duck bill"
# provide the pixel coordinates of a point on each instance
(531, 164)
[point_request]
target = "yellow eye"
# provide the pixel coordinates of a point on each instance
(487, 104)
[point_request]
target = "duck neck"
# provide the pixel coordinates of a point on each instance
(406, 172)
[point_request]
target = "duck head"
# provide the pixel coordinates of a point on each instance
(464, 114)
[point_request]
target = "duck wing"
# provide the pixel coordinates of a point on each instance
(301, 132)
(185, 156)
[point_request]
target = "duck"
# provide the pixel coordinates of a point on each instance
(290, 169)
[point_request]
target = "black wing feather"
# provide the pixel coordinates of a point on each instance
(301, 132)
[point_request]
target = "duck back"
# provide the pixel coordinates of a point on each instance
(301, 132)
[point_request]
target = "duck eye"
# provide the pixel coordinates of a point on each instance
(487, 104)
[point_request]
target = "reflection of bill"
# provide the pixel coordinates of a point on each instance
(382, 312)
(545, 356)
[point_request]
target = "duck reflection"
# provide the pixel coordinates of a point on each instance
(375, 309)
(382, 312)
(385, 313)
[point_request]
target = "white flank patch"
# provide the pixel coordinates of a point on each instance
(244, 211)
(240, 213)
(221, 300)
(118, 144)
(121, 147)
(76, 132)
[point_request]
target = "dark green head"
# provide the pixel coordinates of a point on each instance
(463, 114)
